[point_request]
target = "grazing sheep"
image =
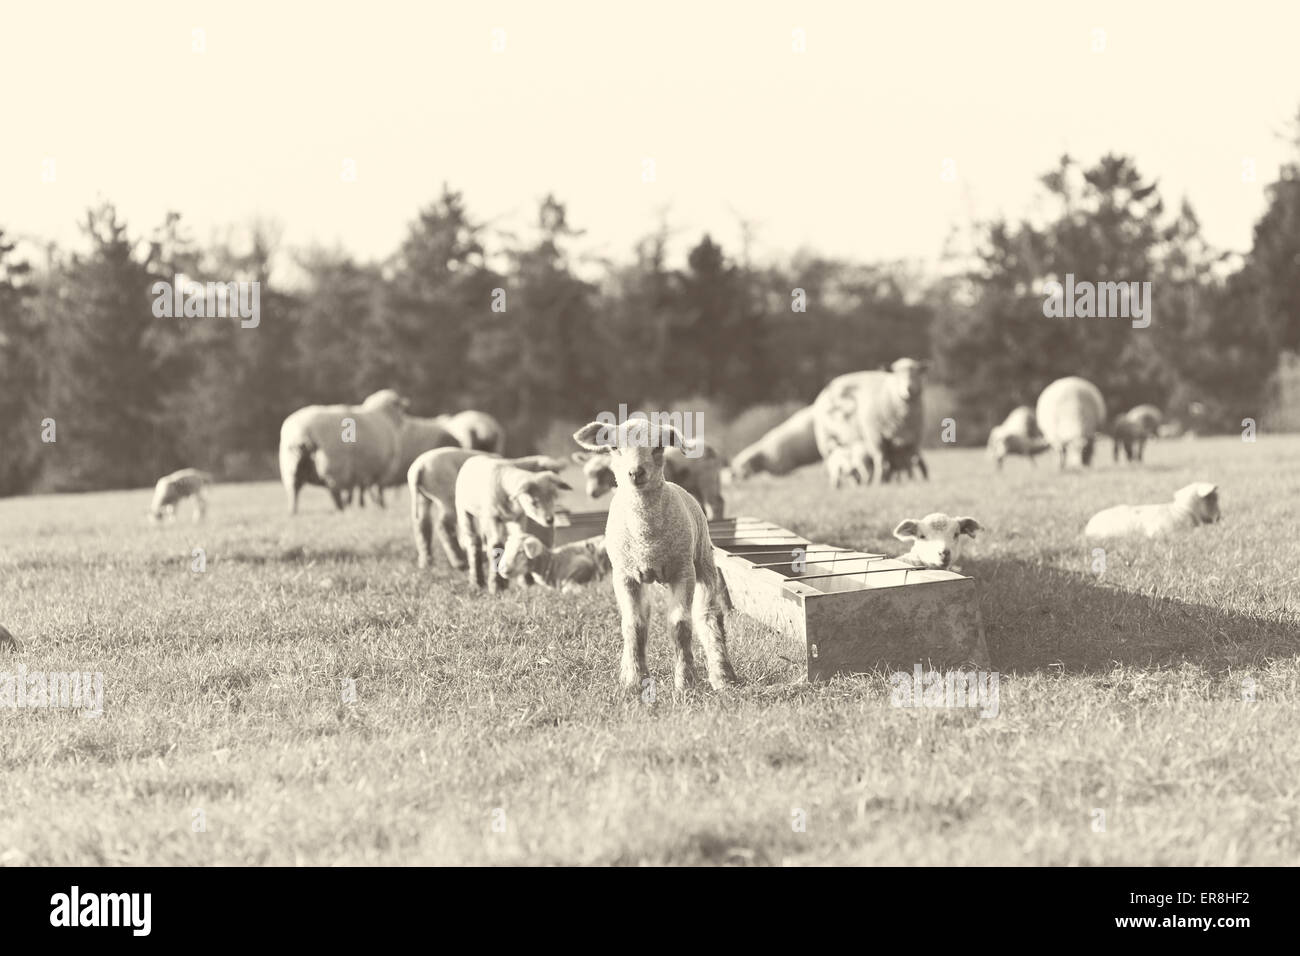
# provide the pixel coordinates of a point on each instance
(431, 480)
(657, 533)
(1017, 435)
(1193, 505)
(477, 430)
(175, 488)
(492, 493)
(1070, 413)
(1132, 429)
(699, 472)
(786, 447)
(875, 408)
(936, 539)
(567, 567)
(317, 448)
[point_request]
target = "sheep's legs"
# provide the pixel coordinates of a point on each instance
(634, 609)
(422, 525)
(707, 611)
(679, 625)
(473, 548)
(200, 506)
(338, 498)
(446, 530)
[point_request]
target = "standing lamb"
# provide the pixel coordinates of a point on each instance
(431, 480)
(340, 446)
(699, 471)
(491, 495)
(786, 447)
(1132, 429)
(172, 489)
(477, 430)
(875, 408)
(1071, 412)
(657, 533)
(1017, 435)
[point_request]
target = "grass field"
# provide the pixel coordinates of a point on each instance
(493, 731)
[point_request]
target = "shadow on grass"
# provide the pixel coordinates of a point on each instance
(1040, 617)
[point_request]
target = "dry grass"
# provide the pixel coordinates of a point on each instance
(223, 692)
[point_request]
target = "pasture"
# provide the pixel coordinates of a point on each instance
(488, 731)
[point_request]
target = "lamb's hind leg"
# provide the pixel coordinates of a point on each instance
(679, 625)
(634, 609)
(445, 527)
(706, 609)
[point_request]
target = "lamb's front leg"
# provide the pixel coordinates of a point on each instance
(473, 545)
(494, 534)
(679, 625)
(634, 608)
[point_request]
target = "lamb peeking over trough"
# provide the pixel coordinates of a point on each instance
(699, 472)
(172, 489)
(878, 409)
(936, 539)
(567, 567)
(656, 533)
(1193, 505)
(491, 494)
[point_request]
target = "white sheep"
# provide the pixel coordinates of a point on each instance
(474, 429)
(340, 446)
(657, 533)
(175, 488)
(936, 539)
(786, 447)
(1193, 505)
(1070, 413)
(698, 470)
(491, 495)
(567, 567)
(876, 409)
(431, 480)
(1017, 435)
(1132, 430)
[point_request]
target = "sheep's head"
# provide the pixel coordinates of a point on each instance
(936, 538)
(635, 449)
(388, 401)
(596, 469)
(518, 551)
(911, 377)
(1201, 498)
(538, 494)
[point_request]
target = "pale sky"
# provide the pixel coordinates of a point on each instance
(839, 148)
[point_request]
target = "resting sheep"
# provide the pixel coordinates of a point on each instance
(1193, 505)
(1070, 412)
(175, 488)
(1132, 429)
(567, 567)
(340, 446)
(876, 409)
(491, 494)
(657, 533)
(431, 480)
(699, 472)
(786, 447)
(1017, 435)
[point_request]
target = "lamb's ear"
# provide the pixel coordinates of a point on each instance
(968, 526)
(906, 530)
(532, 546)
(594, 436)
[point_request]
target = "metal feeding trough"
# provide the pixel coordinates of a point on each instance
(850, 611)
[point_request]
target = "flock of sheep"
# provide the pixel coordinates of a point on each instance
(666, 488)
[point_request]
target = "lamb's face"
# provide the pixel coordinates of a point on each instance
(1202, 499)
(518, 551)
(910, 376)
(597, 472)
(936, 538)
(635, 448)
(538, 495)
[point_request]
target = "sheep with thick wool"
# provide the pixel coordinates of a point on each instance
(1070, 412)
(656, 533)
(874, 410)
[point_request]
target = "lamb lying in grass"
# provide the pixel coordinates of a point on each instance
(936, 539)
(1193, 505)
(567, 567)
(492, 494)
(172, 489)
(657, 533)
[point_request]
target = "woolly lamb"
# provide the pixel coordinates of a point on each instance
(936, 539)
(1132, 430)
(875, 408)
(175, 488)
(1193, 505)
(1070, 412)
(1017, 435)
